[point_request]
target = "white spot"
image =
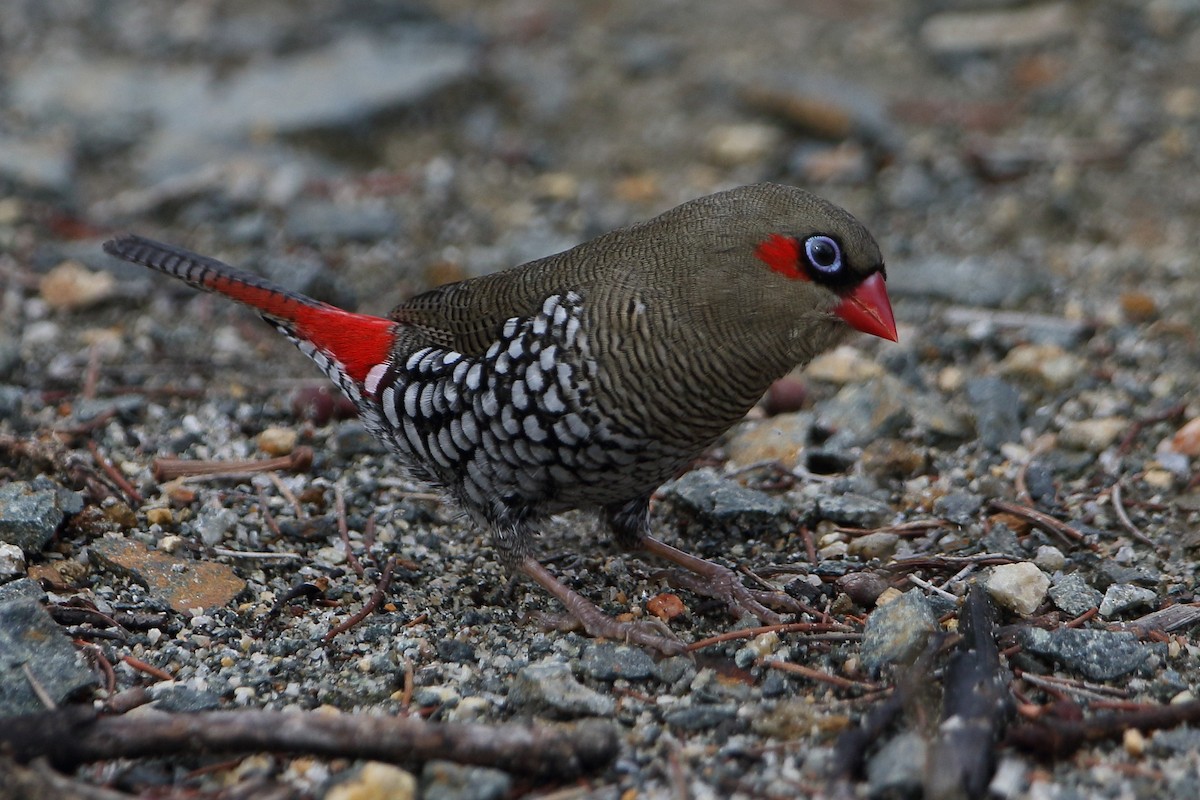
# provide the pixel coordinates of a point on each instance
(572, 330)
(461, 442)
(516, 349)
(540, 326)
(474, 377)
(450, 392)
(552, 401)
(493, 351)
(520, 397)
(410, 399)
(469, 428)
(510, 328)
(388, 401)
(427, 393)
(474, 493)
(414, 439)
(541, 454)
(564, 375)
(574, 298)
(489, 405)
(550, 305)
(450, 358)
(533, 428)
(435, 451)
(509, 422)
(535, 378)
(374, 376)
(414, 361)
(577, 426)
(547, 358)
(501, 365)
(427, 362)
(460, 371)
(447, 442)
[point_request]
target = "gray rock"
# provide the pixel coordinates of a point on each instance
(855, 510)
(45, 164)
(897, 769)
(128, 406)
(971, 281)
(30, 513)
(457, 651)
(12, 562)
(550, 687)
(352, 439)
(863, 412)
(699, 717)
(676, 668)
(608, 662)
(30, 637)
(310, 276)
(998, 411)
(11, 398)
(183, 700)
(1122, 597)
(446, 780)
(214, 524)
(958, 507)
(1098, 655)
(723, 502)
(1073, 595)
(879, 545)
(22, 589)
(896, 632)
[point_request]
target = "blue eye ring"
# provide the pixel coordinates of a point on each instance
(823, 254)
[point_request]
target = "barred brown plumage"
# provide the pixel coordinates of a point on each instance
(586, 379)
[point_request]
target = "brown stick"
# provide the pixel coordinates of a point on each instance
(372, 603)
(77, 736)
(1040, 520)
(1052, 737)
(339, 504)
(114, 474)
(168, 469)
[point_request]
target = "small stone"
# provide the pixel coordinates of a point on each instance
(445, 780)
(22, 589)
(893, 458)
(1134, 742)
(608, 662)
(30, 512)
(160, 516)
(178, 699)
(879, 545)
(1093, 435)
(375, 781)
(1187, 439)
(972, 30)
(184, 584)
(699, 717)
(214, 524)
(352, 439)
(750, 142)
(30, 636)
(1098, 655)
(12, 562)
(998, 410)
(551, 688)
(854, 510)
(1122, 597)
(1019, 587)
(781, 438)
(1049, 558)
(1049, 363)
(1138, 306)
(898, 768)
(71, 286)
(666, 606)
(958, 507)
(896, 632)
(277, 441)
(843, 365)
(723, 502)
(457, 651)
(863, 412)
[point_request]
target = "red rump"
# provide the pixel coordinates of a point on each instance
(358, 341)
(782, 255)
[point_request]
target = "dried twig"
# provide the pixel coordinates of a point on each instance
(1126, 522)
(1054, 737)
(148, 669)
(339, 504)
(168, 469)
(376, 599)
(77, 735)
(114, 474)
(818, 675)
(789, 627)
(1040, 520)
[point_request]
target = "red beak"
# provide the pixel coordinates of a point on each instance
(868, 309)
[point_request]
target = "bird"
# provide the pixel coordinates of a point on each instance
(586, 379)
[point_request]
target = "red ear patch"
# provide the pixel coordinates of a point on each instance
(782, 254)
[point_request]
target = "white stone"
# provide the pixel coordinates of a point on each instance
(1019, 587)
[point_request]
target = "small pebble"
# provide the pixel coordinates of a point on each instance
(1019, 587)
(277, 441)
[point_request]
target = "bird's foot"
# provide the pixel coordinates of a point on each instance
(713, 580)
(651, 633)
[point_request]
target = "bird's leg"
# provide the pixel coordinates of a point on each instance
(513, 541)
(631, 525)
(594, 621)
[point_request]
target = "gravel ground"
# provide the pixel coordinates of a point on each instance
(1028, 168)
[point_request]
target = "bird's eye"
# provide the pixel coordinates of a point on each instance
(823, 254)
